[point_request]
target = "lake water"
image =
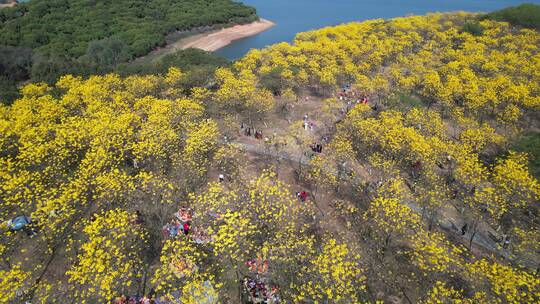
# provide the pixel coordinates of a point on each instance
(294, 16)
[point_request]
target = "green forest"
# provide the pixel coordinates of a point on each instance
(44, 39)
(525, 15)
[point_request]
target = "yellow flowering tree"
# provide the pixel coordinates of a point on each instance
(13, 283)
(506, 284)
(110, 258)
(334, 275)
(390, 216)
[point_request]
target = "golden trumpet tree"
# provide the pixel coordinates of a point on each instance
(110, 258)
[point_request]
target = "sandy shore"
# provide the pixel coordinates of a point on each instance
(9, 4)
(216, 40)
(211, 40)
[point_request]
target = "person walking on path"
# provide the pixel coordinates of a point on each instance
(464, 229)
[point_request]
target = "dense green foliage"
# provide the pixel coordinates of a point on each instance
(188, 59)
(15, 63)
(66, 27)
(198, 65)
(526, 15)
(473, 28)
(18, 64)
(531, 145)
(44, 39)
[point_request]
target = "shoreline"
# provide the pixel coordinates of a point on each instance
(214, 40)
(12, 3)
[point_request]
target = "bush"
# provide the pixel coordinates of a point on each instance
(525, 15)
(8, 91)
(531, 144)
(49, 69)
(105, 54)
(15, 62)
(198, 65)
(15, 65)
(186, 60)
(472, 27)
(272, 80)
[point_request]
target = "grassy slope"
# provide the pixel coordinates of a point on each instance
(530, 143)
(65, 27)
(83, 37)
(525, 15)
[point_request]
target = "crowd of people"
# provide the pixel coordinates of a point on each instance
(175, 228)
(257, 287)
(260, 292)
(352, 97)
(258, 265)
(133, 300)
(181, 223)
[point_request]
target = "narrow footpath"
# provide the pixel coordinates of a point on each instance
(481, 238)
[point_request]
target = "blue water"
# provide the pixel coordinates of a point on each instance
(294, 16)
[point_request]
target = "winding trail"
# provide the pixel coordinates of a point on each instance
(481, 238)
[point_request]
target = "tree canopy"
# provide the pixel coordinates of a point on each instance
(42, 40)
(153, 184)
(525, 15)
(67, 27)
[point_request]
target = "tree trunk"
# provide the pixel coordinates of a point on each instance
(473, 233)
(387, 242)
(405, 295)
(432, 216)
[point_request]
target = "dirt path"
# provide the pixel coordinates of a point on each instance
(481, 239)
(447, 221)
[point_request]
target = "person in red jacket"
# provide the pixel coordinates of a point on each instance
(185, 227)
(303, 196)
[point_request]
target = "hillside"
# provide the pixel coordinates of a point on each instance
(525, 15)
(66, 27)
(363, 163)
(57, 37)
